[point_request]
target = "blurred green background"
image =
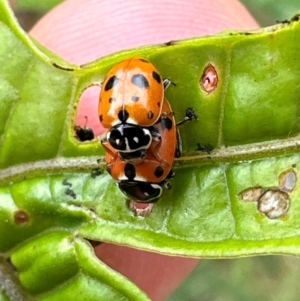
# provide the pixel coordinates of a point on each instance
(245, 279)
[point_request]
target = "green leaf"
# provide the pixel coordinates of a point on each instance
(70, 269)
(55, 193)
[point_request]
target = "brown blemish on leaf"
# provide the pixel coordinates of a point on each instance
(209, 79)
(21, 217)
(274, 203)
(287, 180)
(251, 194)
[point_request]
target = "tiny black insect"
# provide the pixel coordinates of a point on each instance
(208, 148)
(84, 133)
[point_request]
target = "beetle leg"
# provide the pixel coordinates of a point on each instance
(165, 184)
(178, 150)
(108, 148)
(190, 114)
(208, 148)
(167, 83)
(171, 174)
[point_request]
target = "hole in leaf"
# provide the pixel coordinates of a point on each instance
(251, 194)
(209, 79)
(87, 112)
(84, 133)
(139, 209)
(287, 180)
(274, 203)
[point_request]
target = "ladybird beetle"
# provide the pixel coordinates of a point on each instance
(131, 102)
(143, 180)
(132, 92)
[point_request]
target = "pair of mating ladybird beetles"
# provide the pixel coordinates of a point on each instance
(142, 139)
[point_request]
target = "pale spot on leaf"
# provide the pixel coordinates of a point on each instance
(274, 203)
(251, 194)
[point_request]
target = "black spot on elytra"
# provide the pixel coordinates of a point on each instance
(111, 83)
(135, 98)
(159, 171)
(123, 115)
(111, 99)
(129, 171)
(166, 123)
(101, 118)
(150, 114)
(140, 80)
(156, 76)
(158, 104)
(143, 60)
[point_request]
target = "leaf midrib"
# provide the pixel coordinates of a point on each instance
(222, 155)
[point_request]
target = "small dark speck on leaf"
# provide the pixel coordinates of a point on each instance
(71, 193)
(21, 217)
(61, 67)
(283, 22)
(170, 43)
(96, 172)
(66, 183)
(208, 148)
